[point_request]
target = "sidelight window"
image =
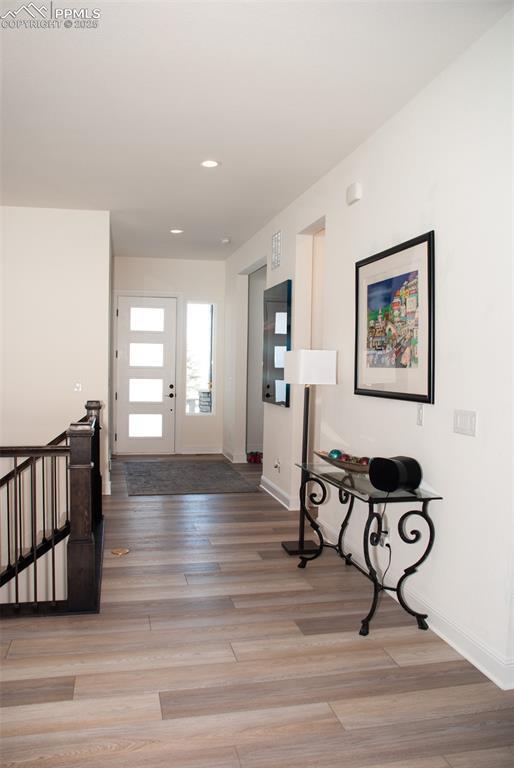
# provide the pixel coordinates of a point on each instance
(199, 369)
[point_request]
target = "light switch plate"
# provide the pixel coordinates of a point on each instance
(465, 423)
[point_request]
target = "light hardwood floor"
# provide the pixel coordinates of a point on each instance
(213, 650)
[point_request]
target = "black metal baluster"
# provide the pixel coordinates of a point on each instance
(8, 526)
(16, 537)
(33, 521)
(54, 519)
(57, 493)
(43, 486)
(53, 462)
(20, 513)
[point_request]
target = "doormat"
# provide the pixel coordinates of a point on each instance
(169, 478)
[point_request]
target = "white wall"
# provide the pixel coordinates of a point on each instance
(194, 281)
(444, 163)
(54, 322)
(254, 404)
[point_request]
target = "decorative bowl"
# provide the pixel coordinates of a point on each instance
(349, 466)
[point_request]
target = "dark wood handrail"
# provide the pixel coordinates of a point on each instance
(26, 464)
(15, 451)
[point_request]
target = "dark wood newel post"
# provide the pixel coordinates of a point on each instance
(93, 408)
(82, 593)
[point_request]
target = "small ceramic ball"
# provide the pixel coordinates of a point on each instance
(335, 453)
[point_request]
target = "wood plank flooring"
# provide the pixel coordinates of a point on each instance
(213, 650)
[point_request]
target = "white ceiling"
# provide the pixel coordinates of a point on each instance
(120, 117)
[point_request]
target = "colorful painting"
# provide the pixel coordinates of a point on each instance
(393, 322)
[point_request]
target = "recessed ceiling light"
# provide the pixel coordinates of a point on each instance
(210, 163)
(176, 231)
(225, 240)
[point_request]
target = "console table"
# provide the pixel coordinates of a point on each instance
(351, 486)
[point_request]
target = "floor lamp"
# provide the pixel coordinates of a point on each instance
(307, 367)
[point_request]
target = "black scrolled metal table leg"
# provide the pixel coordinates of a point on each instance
(373, 539)
(344, 497)
(412, 537)
(318, 500)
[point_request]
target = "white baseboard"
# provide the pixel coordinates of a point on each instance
(238, 458)
(487, 660)
(497, 668)
(199, 449)
(278, 494)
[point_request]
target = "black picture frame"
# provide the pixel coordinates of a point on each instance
(276, 340)
(394, 343)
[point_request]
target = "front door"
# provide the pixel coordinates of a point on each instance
(145, 357)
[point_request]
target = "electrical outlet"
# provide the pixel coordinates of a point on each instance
(384, 538)
(419, 415)
(77, 387)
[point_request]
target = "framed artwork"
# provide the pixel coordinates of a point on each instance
(394, 322)
(277, 341)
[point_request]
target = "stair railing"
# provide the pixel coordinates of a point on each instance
(49, 502)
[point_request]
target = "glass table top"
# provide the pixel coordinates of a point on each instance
(358, 484)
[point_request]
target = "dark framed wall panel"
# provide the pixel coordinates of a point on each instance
(277, 340)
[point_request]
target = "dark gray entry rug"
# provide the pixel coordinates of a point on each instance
(167, 478)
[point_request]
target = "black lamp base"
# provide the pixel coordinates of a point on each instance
(302, 547)
(293, 548)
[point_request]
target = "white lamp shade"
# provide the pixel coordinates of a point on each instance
(310, 366)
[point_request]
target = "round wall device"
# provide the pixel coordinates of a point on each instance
(397, 473)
